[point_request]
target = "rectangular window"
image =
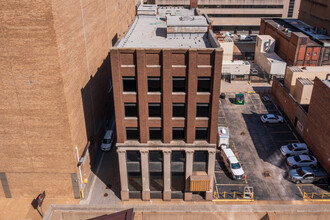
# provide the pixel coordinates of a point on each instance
(155, 133)
(179, 110)
(244, 15)
(130, 110)
(178, 134)
(129, 84)
(203, 110)
(204, 84)
(200, 161)
(179, 84)
(155, 110)
(132, 133)
(154, 84)
(201, 133)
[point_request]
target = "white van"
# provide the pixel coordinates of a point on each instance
(232, 164)
(107, 140)
(223, 133)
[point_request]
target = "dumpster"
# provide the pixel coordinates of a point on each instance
(223, 133)
(239, 99)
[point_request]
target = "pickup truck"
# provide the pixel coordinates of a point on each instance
(308, 175)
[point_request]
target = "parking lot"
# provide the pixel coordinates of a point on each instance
(257, 147)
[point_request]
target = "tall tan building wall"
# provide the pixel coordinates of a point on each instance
(237, 14)
(50, 52)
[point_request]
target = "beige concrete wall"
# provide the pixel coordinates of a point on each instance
(309, 73)
(235, 21)
(58, 215)
(228, 50)
(303, 93)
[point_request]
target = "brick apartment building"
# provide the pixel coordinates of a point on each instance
(166, 82)
(240, 16)
(298, 43)
(54, 90)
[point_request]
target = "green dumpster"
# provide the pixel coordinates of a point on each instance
(239, 99)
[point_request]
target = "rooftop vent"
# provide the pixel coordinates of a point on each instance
(186, 18)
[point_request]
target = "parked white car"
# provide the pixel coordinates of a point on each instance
(294, 149)
(271, 118)
(301, 161)
(107, 140)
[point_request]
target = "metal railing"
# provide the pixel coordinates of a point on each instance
(313, 196)
(232, 196)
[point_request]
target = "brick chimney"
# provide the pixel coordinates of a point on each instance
(193, 3)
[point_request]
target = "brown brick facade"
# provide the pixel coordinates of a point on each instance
(295, 48)
(317, 127)
(54, 83)
(315, 13)
(166, 63)
(313, 126)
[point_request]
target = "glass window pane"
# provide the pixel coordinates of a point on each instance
(130, 110)
(155, 156)
(204, 84)
(203, 110)
(155, 133)
(132, 133)
(134, 181)
(179, 84)
(178, 134)
(155, 110)
(179, 110)
(133, 156)
(154, 84)
(200, 161)
(129, 84)
(201, 133)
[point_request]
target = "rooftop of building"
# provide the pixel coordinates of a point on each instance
(287, 26)
(236, 62)
(326, 82)
(273, 57)
(305, 81)
(311, 69)
(169, 27)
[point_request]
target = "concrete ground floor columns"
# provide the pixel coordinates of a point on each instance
(144, 166)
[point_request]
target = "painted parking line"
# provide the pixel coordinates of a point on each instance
(280, 132)
(219, 172)
(287, 140)
(301, 192)
(306, 184)
(234, 184)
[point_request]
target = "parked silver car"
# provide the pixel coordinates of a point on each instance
(301, 161)
(308, 175)
(294, 149)
(271, 118)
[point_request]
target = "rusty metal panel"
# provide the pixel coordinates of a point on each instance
(199, 183)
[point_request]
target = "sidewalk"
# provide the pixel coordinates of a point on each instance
(21, 208)
(242, 86)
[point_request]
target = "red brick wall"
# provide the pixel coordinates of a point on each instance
(317, 128)
(292, 49)
(169, 62)
(285, 100)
